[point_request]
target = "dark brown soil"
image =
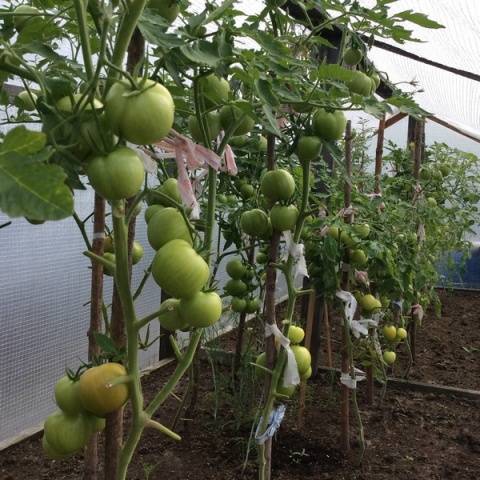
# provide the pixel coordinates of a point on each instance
(409, 435)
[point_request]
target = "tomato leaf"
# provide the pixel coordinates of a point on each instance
(23, 141)
(265, 92)
(28, 186)
(419, 19)
(271, 124)
(202, 52)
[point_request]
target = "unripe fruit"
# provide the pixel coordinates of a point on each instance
(296, 334)
(390, 332)
(389, 357)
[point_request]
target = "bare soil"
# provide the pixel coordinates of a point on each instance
(409, 435)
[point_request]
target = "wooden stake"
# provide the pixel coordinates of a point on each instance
(378, 176)
(328, 333)
(345, 392)
(270, 315)
(96, 302)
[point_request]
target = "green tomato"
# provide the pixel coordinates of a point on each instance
(26, 101)
(70, 103)
(137, 252)
(239, 305)
(329, 126)
(235, 288)
(232, 200)
(168, 9)
(306, 375)
(287, 391)
(201, 310)
(360, 84)
(362, 230)
(111, 258)
(389, 357)
(369, 303)
(375, 77)
(236, 269)
(231, 114)
(20, 21)
(296, 334)
(308, 148)
(50, 452)
(66, 434)
(169, 188)
(247, 191)
(97, 394)
(333, 232)
(151, 211)
(352, 56)
(253, 305)
(239, 141)
(390, 332)
(215, 89)
(284, 218)
(401, 334)
(169, 317)
(303, 358)
(445, 169)
(67, 396)
(142, 117)
(249, 274)
(262, 144)
(278, 185)
(118, 175)
(255, 222)
(179, 269)
(212, 124)
(358, 257)
(166, 225)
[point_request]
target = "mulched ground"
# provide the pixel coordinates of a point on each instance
(409, 435)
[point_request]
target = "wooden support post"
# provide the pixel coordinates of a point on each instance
(96, 302)
(378, 189)
(418, 152)
(345, 392)
(270, 315)
(328, 331)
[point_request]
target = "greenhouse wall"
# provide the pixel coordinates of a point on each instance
(44, 295)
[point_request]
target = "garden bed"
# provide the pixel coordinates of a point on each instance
(408, 434)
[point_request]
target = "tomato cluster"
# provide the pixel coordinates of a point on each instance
(303, 358)
(83, 404)
(241, 287)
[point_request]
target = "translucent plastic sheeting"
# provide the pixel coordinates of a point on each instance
(449, 96)
(44, 312)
